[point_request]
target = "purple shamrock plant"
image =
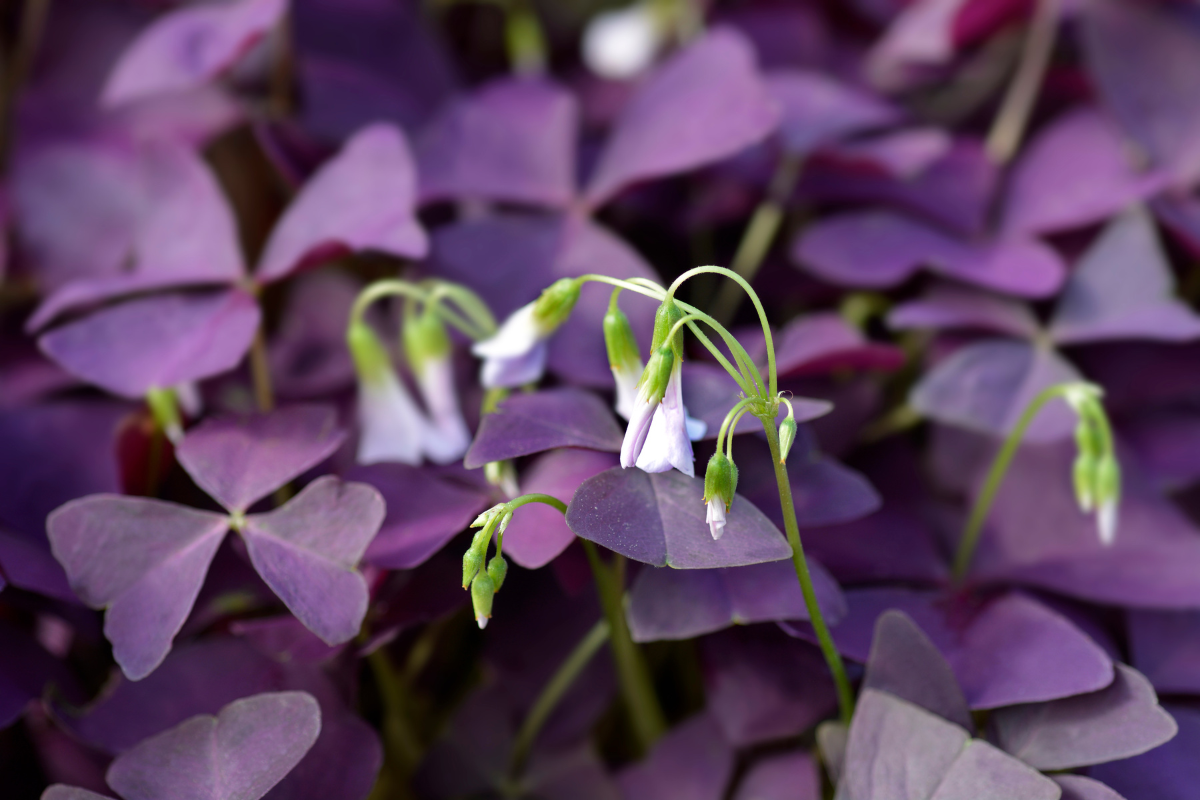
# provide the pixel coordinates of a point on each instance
(145, 560)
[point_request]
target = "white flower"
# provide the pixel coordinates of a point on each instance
(662, 442)
(716, 517)
(1106, 522)
(446, 436)
(627, 388)
(393, 428)
(622, 43)
(516, 354)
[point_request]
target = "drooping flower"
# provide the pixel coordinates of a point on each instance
(652, 390)
(393, 427)
(720, 484)
(516, 354)
(427, 346)
(667, 443)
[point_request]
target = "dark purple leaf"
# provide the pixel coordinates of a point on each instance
(1123, 288)
(659, 519)
(528, 423)
(308, 353)
(817, 109)
(60, 792)
(362, 199)
(709, 392)
(905, 663)
(793, 776)
(947, 306)
(880, 249)
(284, 638)
(761, 685)
(307, 551)
(539, 533)
(705, 104)
(240, 459)
(681, 604)
(903, 154)
(821, 343)
(919, 39)
(514, 140)
(1077, 787)
(1168, 772)
(240, 753)
(1142, 58)
(1076, 172)
(986, 386)
(424, 512)
(1119, 721)
(144, 560)
(1165, 647)
(692, 762)
(156, 342)
(24, 672)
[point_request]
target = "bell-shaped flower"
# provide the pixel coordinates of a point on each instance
(667, 443)
(652, 389)
(516, 354)
(392, 426)
(446, 436)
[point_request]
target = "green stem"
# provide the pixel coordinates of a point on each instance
(645, 713)
(548, 700)
(260, 372)
(1011, 120)
(760, 233)
(828, 648)
(402, 748)
(995, 477)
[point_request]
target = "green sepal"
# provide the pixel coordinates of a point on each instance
(555, 304)
(657, 374)
(720, 479)
(623, 352)
(483, 589)
(425, 339)
(665, 317)
(371, 357)
(497, 570)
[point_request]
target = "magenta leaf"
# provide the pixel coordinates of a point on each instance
(692, 762)
(241, 459)
(705, 104)
(144, 560)
(793, 776)
(156, 342)
(424, 512)
(189, 47)
(820, 343)
(514, 140)
(362, 199)
(539, 533)
(307, 550)
(683, 603)
(240, 754)
(528, 423)
(1119, 721)
(904, 662)
(659, 519)
(881, 249)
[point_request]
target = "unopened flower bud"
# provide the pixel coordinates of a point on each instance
(555, 304)
(622, 346)
(665, 317)
(497, 570)
(720, 479)
(483, 589)
(653, 385)
(425, 339)
(472, 562)
(787, 436)
(371, 358)
(165, 410)
(1083, 474)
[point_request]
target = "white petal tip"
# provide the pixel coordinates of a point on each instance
(482, 621)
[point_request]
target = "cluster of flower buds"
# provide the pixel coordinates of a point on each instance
(485, 582)
(516, 354)
(1096, 473)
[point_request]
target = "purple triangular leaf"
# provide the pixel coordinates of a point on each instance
(816, 109)
(1165, 773)
(362, 199)
(237, 755)
(539, 533)
(705, 104)
(60, 792)
(307, 550)
(1120, 721)
(1123, 288)
(424, 512)
(682, 604)
(240, 459)
(982, 772)
(284, 638)
(514, 139)
(762, 685)
(156, 342)
(793, 776)
(987, 385)
(905, 663)
(947, 306)
(528, 423)
(1076, 172)
(1141, 59)
(692, 762)
(1078, 787)
(817, 344)
(24, 672)
(189, 47)
(659, 519)
(1165, 647)
(880, 249)
(144, 560)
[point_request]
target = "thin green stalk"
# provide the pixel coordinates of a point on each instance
(983, 504)
(562, 680)
(760, 233)
(828, 648)
(402, 747)
(1008, 128)
(260, 372)
(645, 713)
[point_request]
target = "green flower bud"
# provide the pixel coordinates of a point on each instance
(1087, 438)
(483, 589)
(371, 358)
(1084, 476)
(623, 352)
(787, 436)
(653, 383)
(665, 317)
(165, 410)
(425, 339)
(555, 304)
(475, 555)
(1108, 479)
(720, 479)
(497, 570)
